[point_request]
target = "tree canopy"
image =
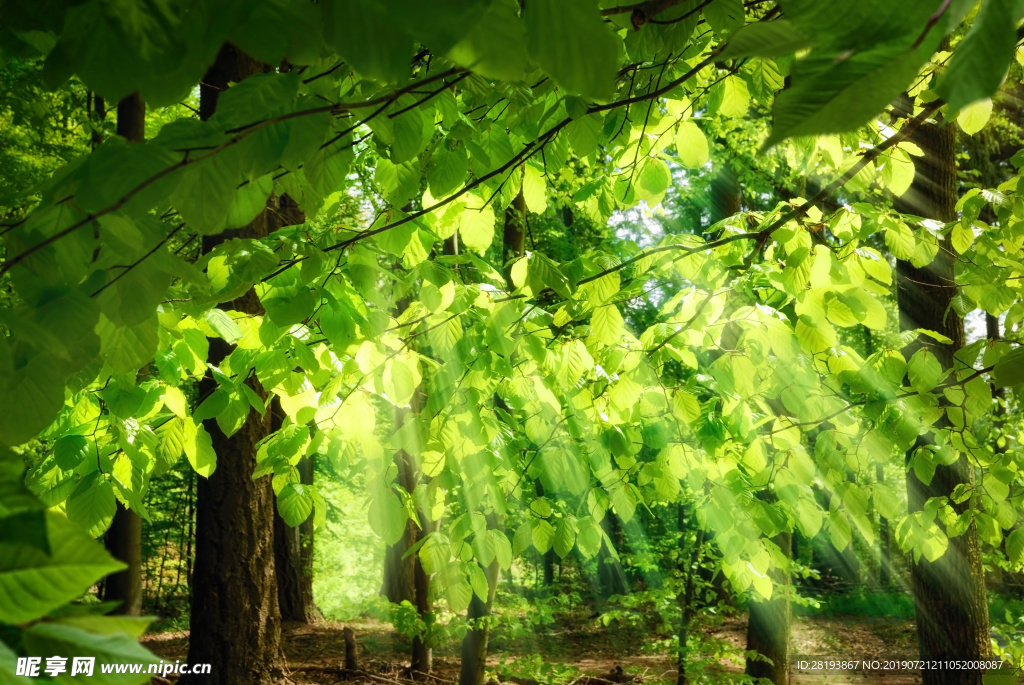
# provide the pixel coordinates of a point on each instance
(700, 360)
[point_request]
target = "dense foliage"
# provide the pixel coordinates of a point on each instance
(639, 353)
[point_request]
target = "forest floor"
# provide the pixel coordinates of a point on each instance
(584, 653)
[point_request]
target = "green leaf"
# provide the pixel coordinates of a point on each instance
(980, 61)
(725, 16)
(70, 450)
(223, 325)
(539, 273)
(534, 189)
(924, 371)
(1015, 547)
(543, 535)
(447, 170)
(565, 537)
(477, 580)
(198, 446)
(33, 583)
(458, 596)
(476, 225)
(70, 641)
(295, 503)
(92, 504)
(833, 93)
(363, 32)
(412, 131)
(174, 400)
(765, 39)
(973, 117)
(435, 553)
(501, 548)
(387, 516)
(523, 539)
(569, 41)
(730, 98)
(399, 183)
(584, 133)
(607, 324)
(691, 145)
(653, 181)
(589, 539)
(496, 46)
(961, 237)
(29, 400)
(1009, 370)
(400, 381)
(857, 24)
(900, 240)
(127, 348)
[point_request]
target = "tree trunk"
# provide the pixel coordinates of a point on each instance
(474, 645)
(610, 574)
(768, 628)
(884, 553)
(949, 593)
(688, 560)
(405, 580)
(307, 476)
(235, 621)
(513, 245)
(124, 539)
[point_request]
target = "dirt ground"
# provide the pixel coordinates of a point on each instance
(315, 653)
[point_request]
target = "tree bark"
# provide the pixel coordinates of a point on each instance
(474, 645)
(769, 625)
(235, 621)
(949, 593)
(124, 538)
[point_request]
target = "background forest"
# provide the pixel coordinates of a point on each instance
(550, 336)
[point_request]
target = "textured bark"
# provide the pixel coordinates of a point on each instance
(949, 593)
(124, 539)
(235, 622)
(769, 625)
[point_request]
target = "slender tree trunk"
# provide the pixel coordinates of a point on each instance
(410, 477)
(235, 620)
(949, 593)
(769, 625)
(610, 574)
(513, 245)
(474, 645)
(688, 560)
(884, 537)
(307, 476)
(405, 580)
(124, 539)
